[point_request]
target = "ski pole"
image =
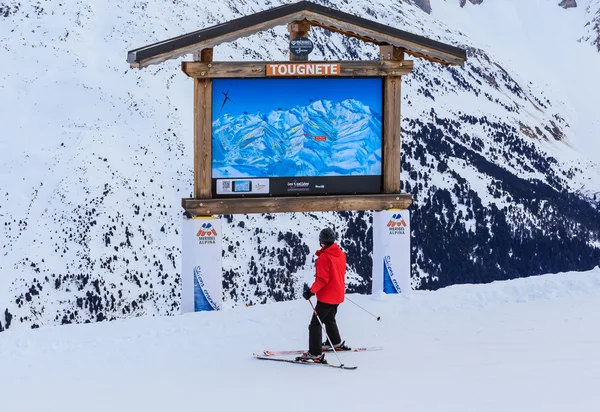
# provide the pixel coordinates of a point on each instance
(323, 327)
(378, 317)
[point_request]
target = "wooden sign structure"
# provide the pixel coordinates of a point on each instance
(299, 17)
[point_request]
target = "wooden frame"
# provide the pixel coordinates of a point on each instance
(392, 142)
(202, 138)
(391, 134)
(216, 70)
(203, 71)
(203, 132)
(299, 17)
(200, 207)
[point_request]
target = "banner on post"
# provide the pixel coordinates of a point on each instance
(202, 284)
(391, 251)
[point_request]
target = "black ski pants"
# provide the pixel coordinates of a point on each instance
(327, 314)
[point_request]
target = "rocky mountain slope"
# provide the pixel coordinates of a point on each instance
(425, 5)
(592, 33)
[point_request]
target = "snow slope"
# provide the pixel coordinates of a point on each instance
(572, 73)
(521, 345)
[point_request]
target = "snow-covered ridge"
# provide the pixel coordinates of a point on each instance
(521, 290)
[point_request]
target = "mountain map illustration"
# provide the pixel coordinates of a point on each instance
(323, 138)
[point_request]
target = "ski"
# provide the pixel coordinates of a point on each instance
(299, 351)
(271, 358)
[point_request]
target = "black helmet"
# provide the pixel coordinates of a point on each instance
(326, 237)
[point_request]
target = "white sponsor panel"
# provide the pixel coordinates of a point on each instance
(391, 251)
(241, 186)
(202, 283)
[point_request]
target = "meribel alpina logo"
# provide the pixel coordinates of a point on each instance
(396, 224)
(206, 234)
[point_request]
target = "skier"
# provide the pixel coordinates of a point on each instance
(329, 287)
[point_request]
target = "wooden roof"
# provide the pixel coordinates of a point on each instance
(314, 14)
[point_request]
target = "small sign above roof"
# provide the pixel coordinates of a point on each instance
(311, 13)
(301, 46)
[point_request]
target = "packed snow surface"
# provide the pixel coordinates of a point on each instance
(529, 344)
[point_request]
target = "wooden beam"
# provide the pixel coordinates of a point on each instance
(203, 132)
(217, 70)
(299, 26)
(215, 41)
(414, 45)
(202, 138)
(391, 134)
(390, 52)
(206, 55)
(367, 35)
(298, 29)
(204, 207)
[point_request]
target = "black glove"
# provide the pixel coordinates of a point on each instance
(307, 294)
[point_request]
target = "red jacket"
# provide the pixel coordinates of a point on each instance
(330, 277)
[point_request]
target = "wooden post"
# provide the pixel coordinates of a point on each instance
(203, 133)
(392, 141)
(298, 29)
(391, 53)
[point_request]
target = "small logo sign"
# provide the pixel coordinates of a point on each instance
(206, 234)
(301, 46)
(396, 220)
(243, 186)
(396, 224)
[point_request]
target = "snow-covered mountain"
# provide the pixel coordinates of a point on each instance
(500, 155)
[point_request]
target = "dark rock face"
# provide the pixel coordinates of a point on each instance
(463, 2)
(425, 5)
(567, 4)
(595, 28)
(592, 25)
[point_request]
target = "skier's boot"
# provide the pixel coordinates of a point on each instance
(309, 357)
(338, 347)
